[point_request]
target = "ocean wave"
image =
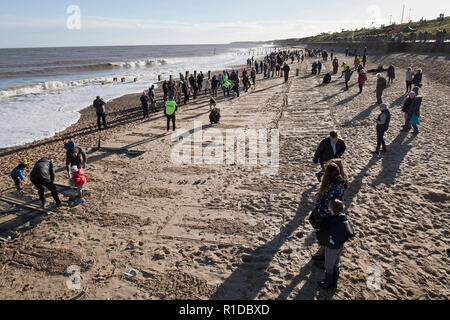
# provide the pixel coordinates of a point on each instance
(138, 63)
(85, 67)
(50, 86)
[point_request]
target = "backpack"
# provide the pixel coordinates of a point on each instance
(316, 220)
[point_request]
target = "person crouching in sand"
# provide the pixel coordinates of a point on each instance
(43, 175)
(78, 180)
(333, 236)
(17, 174)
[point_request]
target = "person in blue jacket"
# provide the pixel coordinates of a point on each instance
(17, 174)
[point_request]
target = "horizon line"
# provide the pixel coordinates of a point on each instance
(136, 45)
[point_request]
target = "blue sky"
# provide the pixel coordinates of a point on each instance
(43, 23)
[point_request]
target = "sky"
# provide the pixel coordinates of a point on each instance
(61, 23)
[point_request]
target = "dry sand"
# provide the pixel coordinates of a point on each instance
(229, 232)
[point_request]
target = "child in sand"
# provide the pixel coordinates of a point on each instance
(333, 236)
(78, 180)
(17, 174)
(212, 103)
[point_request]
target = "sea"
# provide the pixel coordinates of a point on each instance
(42, 90)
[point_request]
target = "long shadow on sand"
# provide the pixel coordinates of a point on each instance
(348, 99)
(268, 88)
(364, 114)
(399, 101)
(251, 276)
(397, 151)
(391, 161)
(310, 289)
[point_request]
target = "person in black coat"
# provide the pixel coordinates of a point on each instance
(75, 156)
(329, 148)
(43, 175)
(391, 74)
(327, 78)
(333, 236)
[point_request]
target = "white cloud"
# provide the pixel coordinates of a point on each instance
(217, 32)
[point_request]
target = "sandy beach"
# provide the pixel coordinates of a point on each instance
(228, 231)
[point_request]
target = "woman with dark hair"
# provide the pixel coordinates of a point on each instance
(334, 183)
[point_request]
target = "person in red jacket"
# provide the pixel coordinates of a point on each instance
(362, 80)
(78, 179)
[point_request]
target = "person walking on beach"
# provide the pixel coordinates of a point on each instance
(43, 175)
(185, 89)
(356, 62)
(417, 80)
(144, 104)
(75, 156)
(333, 236)
(214, 85)
(165, 87)
(343, 69)
(18, 175)
(169, 112)
(405, 109)
(381, 85)
(348, 75)
(362, 78)
(329, 148)
(382, 126)
(225, 84)
(319, 67)
(409, 79)
(99, 106)
(253, 76)
(207, 85)
(265, 70)
(236, 86)
(200, 81)
(245, 81)
(286, 70)
(391, 74)
(151, 96)
(333, 186)
(412, 110)
(364, 60)
(335, 65)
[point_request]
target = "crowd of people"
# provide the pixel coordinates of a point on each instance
(331, 225)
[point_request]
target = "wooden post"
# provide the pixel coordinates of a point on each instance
(209, 75)
(297, 72)
(135, 79)
(187, 75)
(171, 78)
(195, 74)
(159, 77)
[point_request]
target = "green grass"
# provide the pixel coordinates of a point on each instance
(430, 26)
